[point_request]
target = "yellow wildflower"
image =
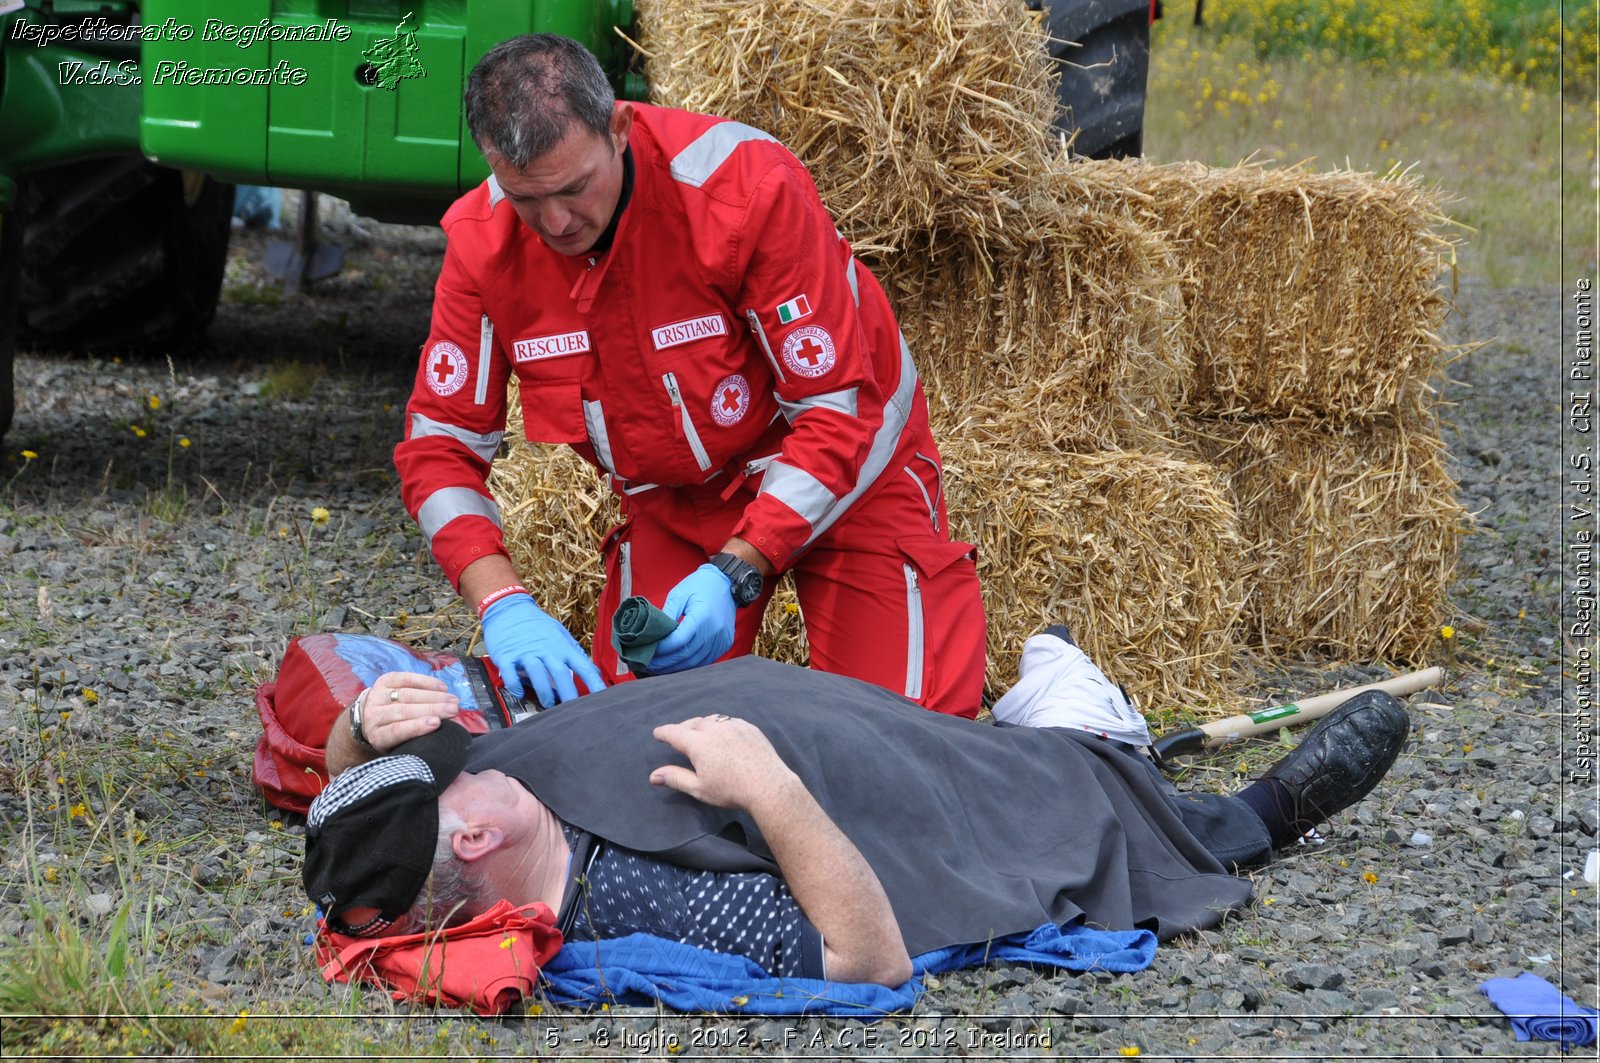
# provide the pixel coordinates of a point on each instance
(52, 874)
(140, 432)
(78, 811)
(1447, 632)
(238, 1024)
(508, 941)
(319, 515)
(1370, 878)
(791, 608)
(1128, 1050)
(29, 455)
(89, 696)
(155, 402)
(183, 441)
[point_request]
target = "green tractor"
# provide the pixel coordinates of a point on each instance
(124, 125)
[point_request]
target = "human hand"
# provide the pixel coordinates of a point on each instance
(702, 603)
(400, 706)
(733, 765)
(524, 640)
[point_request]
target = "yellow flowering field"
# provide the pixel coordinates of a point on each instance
(1468, 93)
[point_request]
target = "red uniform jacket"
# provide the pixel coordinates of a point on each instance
(728, 332)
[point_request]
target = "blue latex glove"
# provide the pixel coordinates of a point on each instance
(703, 602)
(524, 640)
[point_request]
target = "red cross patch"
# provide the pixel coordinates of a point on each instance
(730, 400)
(808, 351)
(445, 368)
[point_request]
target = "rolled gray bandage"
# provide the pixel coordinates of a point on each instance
(636, 629)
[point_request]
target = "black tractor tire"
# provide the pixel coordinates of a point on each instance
(119, 254)
(1103, 50)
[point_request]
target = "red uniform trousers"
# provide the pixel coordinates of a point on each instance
(886, 596)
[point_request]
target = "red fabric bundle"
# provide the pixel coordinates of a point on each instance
(487, 964)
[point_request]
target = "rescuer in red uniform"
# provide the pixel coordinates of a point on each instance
(675, 303)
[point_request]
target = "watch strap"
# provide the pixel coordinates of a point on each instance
(356, 708)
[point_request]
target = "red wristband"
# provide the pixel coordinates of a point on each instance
(494, 596)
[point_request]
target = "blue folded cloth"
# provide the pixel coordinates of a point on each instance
(644, 970)
(1539, 1011)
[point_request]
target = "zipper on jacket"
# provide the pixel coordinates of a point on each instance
(687, 425)
(913, 633)
(755, 326)
(582, 292)
(485, 350)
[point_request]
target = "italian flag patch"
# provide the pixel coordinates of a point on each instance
(794, 309)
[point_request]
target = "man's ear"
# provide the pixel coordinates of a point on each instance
(621, 125)
(475, 843)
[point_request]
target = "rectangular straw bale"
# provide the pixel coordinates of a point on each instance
(1354, 529)
(1079, 329)
(1140, 554)
(1306, 294)
(913, 115)
(555, 509)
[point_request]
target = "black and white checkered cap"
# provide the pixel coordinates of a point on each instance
(371, 835)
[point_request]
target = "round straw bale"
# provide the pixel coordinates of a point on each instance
(1138, 553)
(1354, 529)
(1306, 294)
(913, 115)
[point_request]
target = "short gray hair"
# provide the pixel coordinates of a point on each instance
(454, 891)
(524, 95)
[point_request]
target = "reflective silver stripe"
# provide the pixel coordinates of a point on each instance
(695, 164)
(800, 491)
(804, 494)
(841, 401)
(485, 350)
(761, 334)
(594, 422)
(484, 446)
(913, 633)
(448, 503)
(496, 193)
(850, 275)
(624, 587)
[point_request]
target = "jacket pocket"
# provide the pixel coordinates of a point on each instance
(552, 411)
(924, 558)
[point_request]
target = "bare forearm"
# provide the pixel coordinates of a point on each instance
(485, 576)
(834, 885)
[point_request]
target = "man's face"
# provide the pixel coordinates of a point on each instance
(568, 194)
(485, 797)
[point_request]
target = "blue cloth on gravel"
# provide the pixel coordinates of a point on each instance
(641, 970)
(1539, 1011)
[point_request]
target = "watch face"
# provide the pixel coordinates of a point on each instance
(748, 588)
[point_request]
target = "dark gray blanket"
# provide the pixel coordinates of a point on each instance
(975, 831)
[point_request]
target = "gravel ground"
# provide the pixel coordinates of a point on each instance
(153, 563)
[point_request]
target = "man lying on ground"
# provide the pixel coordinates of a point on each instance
(830, 829)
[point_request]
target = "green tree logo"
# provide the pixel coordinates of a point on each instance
(395, 58)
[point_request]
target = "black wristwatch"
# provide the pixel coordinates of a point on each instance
(744, 576)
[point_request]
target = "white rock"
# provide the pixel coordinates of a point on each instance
(1421, 840)
(1591, 868)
